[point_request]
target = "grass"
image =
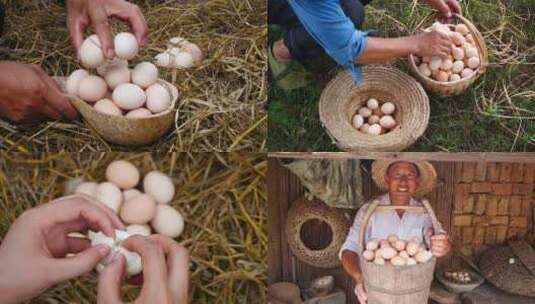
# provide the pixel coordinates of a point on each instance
(495, 114)
(222, 100)
(221, 196)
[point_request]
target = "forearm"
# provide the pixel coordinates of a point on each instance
(351, 264)
(385, 49)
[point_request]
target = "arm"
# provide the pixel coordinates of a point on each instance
(351, 264)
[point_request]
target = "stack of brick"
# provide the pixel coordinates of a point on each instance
(493, 203)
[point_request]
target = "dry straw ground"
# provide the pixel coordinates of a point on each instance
(222, 198)
(222, 102)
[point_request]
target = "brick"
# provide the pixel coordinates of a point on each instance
(483, 220)
(493, 172)
(515, 206)
(503, 205)
(468, 172)
(522, 189)
(517, 175)
(529, 173)
(468, 204)
(462, 220)
(481, 187)
(499, 220)
(457, 234)
(525, 210)
(490, 235)
(505, 172)
(518, 222)
(468, 235)
(492, 206)
(480, 204)
(501, 234)
(479, 236)
(502, 189)
(480, 173)
(461, 194)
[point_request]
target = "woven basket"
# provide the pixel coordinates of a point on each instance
(452, 88)
(303, 211)
(388, 284)
(341, 98)
(127, 131)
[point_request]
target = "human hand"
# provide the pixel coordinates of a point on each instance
(28, 94)
(429, 44)
(440, 245)
(95, 13)
(33, 252)
(361, 293)
(165, 272)
(446, 8)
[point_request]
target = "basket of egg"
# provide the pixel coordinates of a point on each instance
(453, 75)
(124, 106)
(387, 111)
(396, 270)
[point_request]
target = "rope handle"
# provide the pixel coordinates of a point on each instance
(374, 207)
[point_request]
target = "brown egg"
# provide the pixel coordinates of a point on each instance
(123, 174)
(457, 38)
(140, 209)
(467, 72)
(462, 29)
(441, 76)
(446, 64)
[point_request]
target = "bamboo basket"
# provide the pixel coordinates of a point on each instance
(453, 88)
(127, 131)
(388, 284)
(341, 99)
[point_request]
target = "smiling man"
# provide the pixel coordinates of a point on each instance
(403, 181)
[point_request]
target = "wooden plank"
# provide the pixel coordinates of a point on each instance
(273, 222)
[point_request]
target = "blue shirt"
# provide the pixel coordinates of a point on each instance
(327, 23)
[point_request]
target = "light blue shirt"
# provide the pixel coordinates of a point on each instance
(327, 23)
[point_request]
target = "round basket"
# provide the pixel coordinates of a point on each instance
(127, 131)
(303, 211)
(452, 88)
(389, 284)
(341, 99)
(459, 287)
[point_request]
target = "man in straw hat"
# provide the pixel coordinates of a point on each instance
(403, 181)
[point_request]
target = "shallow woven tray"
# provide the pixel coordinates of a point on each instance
(341, 98)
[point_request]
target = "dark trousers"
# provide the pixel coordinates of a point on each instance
(300, 43)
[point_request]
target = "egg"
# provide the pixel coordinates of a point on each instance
(441, 76)
(466, 72)
(435, 63)
(424, 69)
(471, 52)
(140, 209)
(109, 65)
(87, 188)
(455, 77)
(364, 128)
(372, 104)
(377, 112)
(159, 186)
(372, 245)
(130, 193)
(125, 45)
(387, 122)
(365, 112)
(92, 88)
(457, 53)
(73, 81)
(138, 229)
(163, 60)
(410, 261)
(457, 66)
(374, 129)
(379, 261)
(106, 106)
(387, 253)
(368, 255)
(388, 108)
(412, 248)
(391, 238)
(109, 195)
(397, 261)
(128, 96)
(457, 38)
(123, 174)
(399, 245)
(462, 29)
(183, 60)
(473, 62)
(167, 221)
(139, 113)
(194, 51)
(90, 53)
(404, 254)
(357, 121)
(384, 243)
(423, 256)
(116, 76)
(446, 64)
(158, 98)
(469, 38)
(145, 74)
(373, 119)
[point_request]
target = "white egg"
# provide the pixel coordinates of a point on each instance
(387, 122)
(167, 221)
(139, 209)
(139, 113)
(368, 255)
(473, 62)
(174, 51)
(471, 52)
(412, 248)
(399, 245)
(404, 254)
(163, 60)
(92, 88)
(130, 193)
(458, 53)
(423, 256)
(372, 245)
(91, 54)
(364, 128)
(128, 96)
(424, 69)
(397, 261)
(110, 195)
(455, 77)
(115, 77)
(365, 112)
(462, 29)
(123, 174)
(145, 74)
(159, 186)
(177, 41)
(467, 72)
(74, 79)
(388, 108)
(373, 119)
(372, 104)
(183, 60)
(446, 64)
(87, 188)
(457, 66)
(392, 238)
(358, 121)
(435, 63)
(379, 261)
(126, 46)
(374, 129)
(388, 252)
(108, 107)
(138, 229)
(457, 38)
(158, 98)
(112, 64)
(411, 261)
(194, 51)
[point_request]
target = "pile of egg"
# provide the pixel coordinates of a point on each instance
(180, 54)
(458, 276)
(141, 211)
(375, 117)
(461, 63)
(118, 90)
(395, 251)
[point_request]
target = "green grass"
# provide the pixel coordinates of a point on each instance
(495, 114)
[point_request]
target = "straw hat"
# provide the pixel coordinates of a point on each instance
(428, 175)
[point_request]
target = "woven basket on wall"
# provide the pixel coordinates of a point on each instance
(341, 99)
(452, 88)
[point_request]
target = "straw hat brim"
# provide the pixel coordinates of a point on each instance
(428, 175)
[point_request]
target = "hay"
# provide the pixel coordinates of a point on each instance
(222, 198)
(221, 100)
